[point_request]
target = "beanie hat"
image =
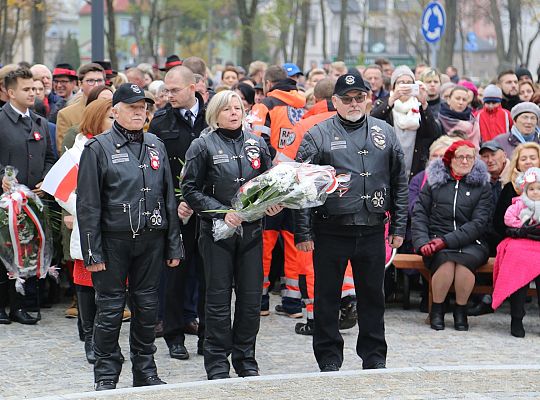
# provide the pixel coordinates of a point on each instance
(446, 86)
(400, 71)
(469, 85)
(449, 153)
(522, 72)
(532, 175)
(492, 93)
(525, 107)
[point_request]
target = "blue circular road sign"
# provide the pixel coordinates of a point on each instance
(433, 22)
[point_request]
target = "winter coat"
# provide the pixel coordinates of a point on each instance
(457, 211)
(509, 142)
(425, 135)
(512, 215)
(493, 122)
(25, 147)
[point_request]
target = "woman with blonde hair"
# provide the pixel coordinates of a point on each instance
(217, 164)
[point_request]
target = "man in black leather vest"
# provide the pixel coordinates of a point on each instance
(351, 224)
(128, 226)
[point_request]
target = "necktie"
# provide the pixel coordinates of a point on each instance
(189, 117)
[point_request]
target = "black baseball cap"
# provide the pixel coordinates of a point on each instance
(349, 82)
(491, 145)
(129, 93)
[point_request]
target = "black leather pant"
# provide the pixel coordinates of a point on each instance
(366, 251)
(139, 261)
(235, 260)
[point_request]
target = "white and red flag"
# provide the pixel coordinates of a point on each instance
(61, 180)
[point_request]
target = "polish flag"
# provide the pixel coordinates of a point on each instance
(61, 180)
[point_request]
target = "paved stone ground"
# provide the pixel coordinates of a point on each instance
(48, 360)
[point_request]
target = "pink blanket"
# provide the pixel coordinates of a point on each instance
(517, 263)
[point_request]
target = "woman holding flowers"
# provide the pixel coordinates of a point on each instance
(217, 164)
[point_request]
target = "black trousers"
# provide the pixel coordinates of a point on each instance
(173, 311)
(174, 291)
(139, 261)
(366, 251)
(518, 298)
(239, 260)
(8, 294)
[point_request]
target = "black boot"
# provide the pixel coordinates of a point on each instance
(516, 327)
(87, 313)
(436, 316)
(460, 318)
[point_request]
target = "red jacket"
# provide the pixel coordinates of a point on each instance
(494, 122)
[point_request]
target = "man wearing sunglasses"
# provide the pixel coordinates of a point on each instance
(372, 182)
(90, 76)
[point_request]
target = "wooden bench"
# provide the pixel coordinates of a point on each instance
(414, 261)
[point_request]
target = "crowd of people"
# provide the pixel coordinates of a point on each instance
(426, 162)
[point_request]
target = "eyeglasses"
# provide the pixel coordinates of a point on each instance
(61, 82)
(464, 158)
(92, 82)
(173, 92)
(348, 99)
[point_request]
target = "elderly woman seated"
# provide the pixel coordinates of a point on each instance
(449, 223)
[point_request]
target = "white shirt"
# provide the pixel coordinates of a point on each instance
(23, 114)
(194, 110)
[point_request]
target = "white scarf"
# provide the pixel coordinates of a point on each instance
(531, 213)
(407, 114)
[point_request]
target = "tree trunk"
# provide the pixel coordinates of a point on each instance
(323, 20)
(111, 34)
(247, 19)
(38, 27)
(342, 30)
(496, 19)
(4, 21)
(462, 49)
(514, 10)
(295, 30)
(446, 51)
(302, 37)
(152, 36)
(13, 38)
(530, 45)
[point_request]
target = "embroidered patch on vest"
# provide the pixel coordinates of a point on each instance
(220, 158)
(339, 144)
(120, 158)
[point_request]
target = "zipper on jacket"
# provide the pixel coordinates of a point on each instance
(455, 201)
(91, 259)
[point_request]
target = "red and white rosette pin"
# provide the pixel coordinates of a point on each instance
(37, 136)
(333, 186)
(256, 163)
(154, 162)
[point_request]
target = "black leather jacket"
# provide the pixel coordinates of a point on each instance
(371, 171)
(120, 192)
(216, 167)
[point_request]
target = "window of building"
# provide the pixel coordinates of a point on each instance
(125, 27)
(377, 40)
(377, 5)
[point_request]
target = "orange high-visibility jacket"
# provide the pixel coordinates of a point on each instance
(275, 118)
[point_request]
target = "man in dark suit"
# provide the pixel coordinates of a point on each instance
(26, 145)
(178, 124)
